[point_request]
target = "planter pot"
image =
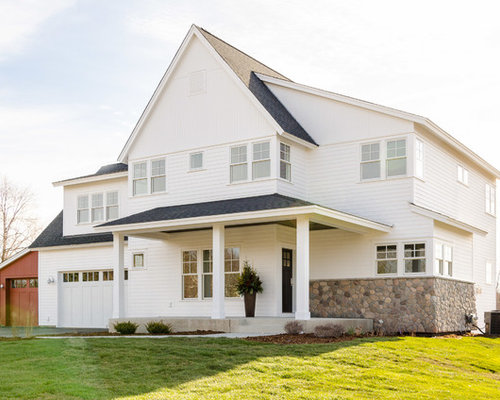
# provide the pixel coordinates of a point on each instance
(250, 304)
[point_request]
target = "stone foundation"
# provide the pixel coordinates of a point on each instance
(420, 304)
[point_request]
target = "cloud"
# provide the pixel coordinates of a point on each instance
(20, 20)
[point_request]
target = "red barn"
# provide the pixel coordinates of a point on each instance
(19, 289)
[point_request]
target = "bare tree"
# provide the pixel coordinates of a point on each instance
(18, 225)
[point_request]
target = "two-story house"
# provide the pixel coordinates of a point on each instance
(345, 208)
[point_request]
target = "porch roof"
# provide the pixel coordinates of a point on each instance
(246, 210)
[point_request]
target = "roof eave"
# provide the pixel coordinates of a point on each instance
(90, 179)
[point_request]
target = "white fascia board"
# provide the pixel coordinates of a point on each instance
(15, 257)
(75, 246)
(435, 129)
(335, 218)
(447, 220)
(90, 179)
(297, 140)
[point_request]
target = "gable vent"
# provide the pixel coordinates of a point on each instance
(197, 82)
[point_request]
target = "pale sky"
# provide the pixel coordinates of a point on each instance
(76, 75)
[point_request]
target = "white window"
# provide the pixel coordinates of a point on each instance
(444, 259)
(231, 271)
(261, 165)
(387, 259)
(419, 159)
(414, 257)
(396, 158)
(140, 179)
(197, 82)
(207, 274)
(489, 271)
(190, 274)
(462, 175)
(97, 207)
(238, 167)
(82, 213)
(490, 200)
(285, 164)
(111, 205)
(195, 161)
(90, 276)
(370, 161)
(138, 260)
(158, 180)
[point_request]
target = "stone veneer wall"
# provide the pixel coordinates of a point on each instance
(419, 304)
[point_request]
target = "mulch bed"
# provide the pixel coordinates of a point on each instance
(305, 338)
(104, 334)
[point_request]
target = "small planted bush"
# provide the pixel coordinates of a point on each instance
(158, 328)
(294, 328)
(329, 331)
(125, 328)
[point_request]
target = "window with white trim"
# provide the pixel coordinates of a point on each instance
(414, 257)
(387, 259)
(462, 175)
(239, 166)
(111, 205)
(140, 178)
(138, 260)
(90, 276)
(83, 212)
(196, 161)
(490, 199)
(97, 210)
(285, 163)
(231, 271)
(396, 158)
(419, 159)
(158, 178)
(370, 161)
(207, 274)
(444, 259)
(489, 273)
(190, 274)
(261, 161)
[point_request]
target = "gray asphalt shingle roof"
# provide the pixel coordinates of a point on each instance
(104, 170)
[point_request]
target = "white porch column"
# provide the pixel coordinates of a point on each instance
(118, 276)
(218, 271)
(302, 281)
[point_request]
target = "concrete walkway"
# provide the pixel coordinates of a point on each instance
(9, 331)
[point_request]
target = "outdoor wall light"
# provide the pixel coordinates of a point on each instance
(50, 280)
(1, 285)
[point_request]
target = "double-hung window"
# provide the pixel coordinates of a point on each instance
(444, 259)
(82, 213)
(207, 274)
(261, 163)
(97, 207)
(387, 259)
(158, 178)
(396, 157)
(231, 271)
(140, 178)
(239, 166)
(285, 165)
(370, 161)
(490, 198)
(462, 175)
(190, 274)
(111, 205)
(414, 257)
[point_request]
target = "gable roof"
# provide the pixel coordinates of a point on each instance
(52, 235)
(15, 257)
(109, 169)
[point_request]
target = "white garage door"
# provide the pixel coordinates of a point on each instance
(85, 299)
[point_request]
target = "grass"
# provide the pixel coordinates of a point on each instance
(184, 368)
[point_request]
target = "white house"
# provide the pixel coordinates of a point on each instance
(346, 208)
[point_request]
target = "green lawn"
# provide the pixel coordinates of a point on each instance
(183, 368)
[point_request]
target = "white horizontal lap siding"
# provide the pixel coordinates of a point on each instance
(299, 158)
(157, 289)
(71, 193)
(53, 262)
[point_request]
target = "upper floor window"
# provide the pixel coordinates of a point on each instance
(239, 166)
(370, 161)
(82, 212)
(195, 161)
(111, 205)
(490, 200)
(97, 211)
(285, 164)
(396, 157)
(414, 257)
(140, 178)
(462, 175)
(158, 178)
(261, 163)
(444, 260)
(419, 158)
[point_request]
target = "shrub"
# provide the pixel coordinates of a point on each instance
(248, 281)
(294, 328)
(329, 331)
(125, 328)
(158, 328)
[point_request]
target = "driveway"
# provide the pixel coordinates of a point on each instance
(9, 331)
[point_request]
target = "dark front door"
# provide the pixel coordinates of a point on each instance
(287, 273)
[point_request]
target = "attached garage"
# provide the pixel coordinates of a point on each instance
(19, 289)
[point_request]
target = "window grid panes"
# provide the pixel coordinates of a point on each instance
(370, 161)
(261, 166)
(138, 260)
(140, 179)
(444, 259)
(190, 274)
(97, 207)
(111, 205)
(231, 271)
(387, 259)
(158, 178)
(396, 157)
(107, 275)
(238, 167)
(90, 276)
(82, 213)
(285, 164)
(71, 277)
(414, 257)
(207, 273)
(196, 161)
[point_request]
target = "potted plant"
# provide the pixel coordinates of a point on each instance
(249, 284)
